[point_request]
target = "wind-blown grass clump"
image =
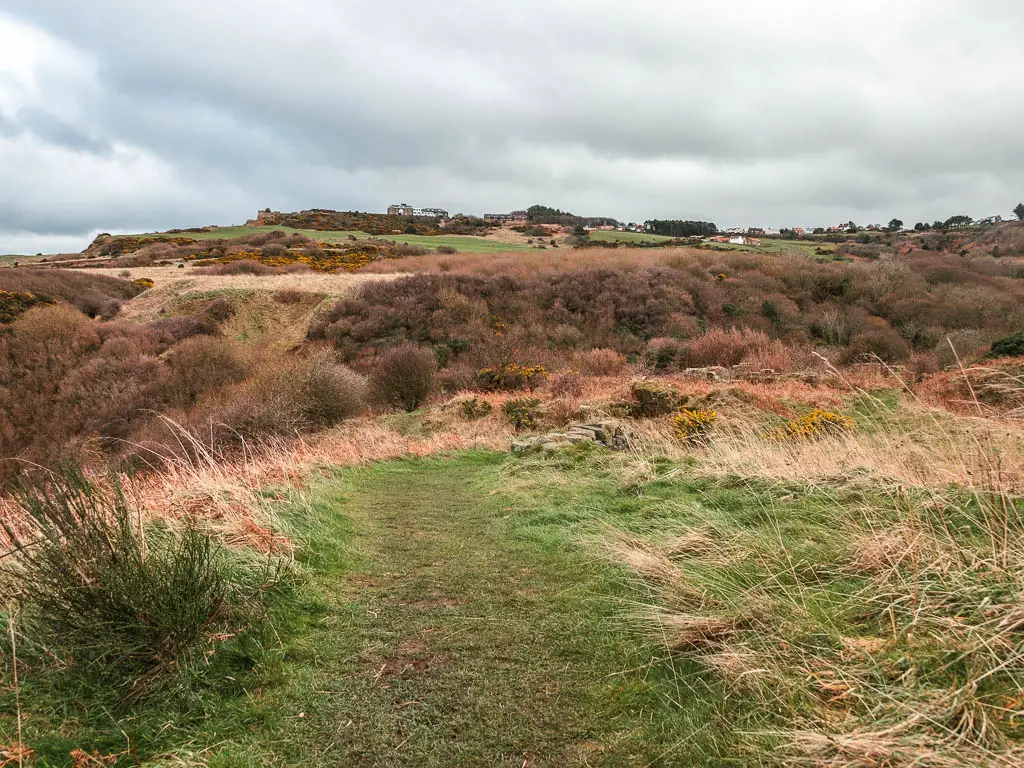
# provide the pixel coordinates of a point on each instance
(845, 629)
(110, 597)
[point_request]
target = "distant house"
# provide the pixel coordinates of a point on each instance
(432, 213)
(799, 231)
(744, 240)
(404, 209)
(755, 231)
(516, 217)
(734, 231)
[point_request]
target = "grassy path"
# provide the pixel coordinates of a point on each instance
(443, 620)
(449, 640)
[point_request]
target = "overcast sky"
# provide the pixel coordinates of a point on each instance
(121, 115)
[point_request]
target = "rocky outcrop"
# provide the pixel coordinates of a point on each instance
(605, 433)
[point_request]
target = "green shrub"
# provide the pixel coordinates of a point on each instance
(653, 398)
(106, 594)
(1009, 346)
(473, 408)
(404, 376)
(522, 412)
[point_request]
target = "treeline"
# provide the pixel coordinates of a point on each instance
(677, 228)
(542, 214)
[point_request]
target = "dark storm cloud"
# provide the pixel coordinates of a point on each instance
(165, 114)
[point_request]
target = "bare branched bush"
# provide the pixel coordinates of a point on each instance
(404, 376)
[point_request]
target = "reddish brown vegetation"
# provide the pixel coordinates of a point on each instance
(676, 309)
(95, 295)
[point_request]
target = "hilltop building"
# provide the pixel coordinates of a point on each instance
(404, 209)
(516, 217)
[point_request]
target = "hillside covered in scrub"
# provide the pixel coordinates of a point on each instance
(299, 497)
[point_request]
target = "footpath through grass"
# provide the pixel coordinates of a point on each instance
(437, 625)
(454, 636)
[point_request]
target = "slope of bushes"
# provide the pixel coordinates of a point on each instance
(95, 295)
(670, 312)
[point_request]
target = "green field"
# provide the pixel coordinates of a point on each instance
(611, 236)
(463, 243)
(774, 245)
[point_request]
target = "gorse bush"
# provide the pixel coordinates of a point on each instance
(694, 427)
(106, 594)
(512, 376)
(14, 303)
(522, 412)
(403, 377)
(816, 424)
(1009, 346)
(472, 408)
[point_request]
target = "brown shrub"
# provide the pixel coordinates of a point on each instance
(883, 343)
(203, 364)
(94, 294)
(207, 321)
(404, 376)
(274, 250)
(289, 396)
(731, 347)
(565, 384)
(599, 362)
(290, 296)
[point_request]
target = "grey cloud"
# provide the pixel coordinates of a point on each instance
(56, 131)
(741, 111)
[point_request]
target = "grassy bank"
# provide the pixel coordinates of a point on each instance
(462, 243)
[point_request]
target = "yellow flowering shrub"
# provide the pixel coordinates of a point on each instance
(811, 426)
(522, 412)
(512, 376)
(143, 282)
(694, 426)
(13, 303)
(331, 257)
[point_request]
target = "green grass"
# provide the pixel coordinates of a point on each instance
(611, 236)
(768, 245)
(435, 628)
(775, 245)
(461, 610)
(462, 243)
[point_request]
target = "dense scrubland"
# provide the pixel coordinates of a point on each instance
(809, 555)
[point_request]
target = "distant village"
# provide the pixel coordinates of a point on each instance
(733, 235)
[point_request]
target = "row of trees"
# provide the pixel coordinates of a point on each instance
(678, 228)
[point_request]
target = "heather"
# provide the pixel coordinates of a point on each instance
(684, 308)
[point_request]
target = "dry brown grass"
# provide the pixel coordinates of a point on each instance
(173, 284)
(534, 263)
